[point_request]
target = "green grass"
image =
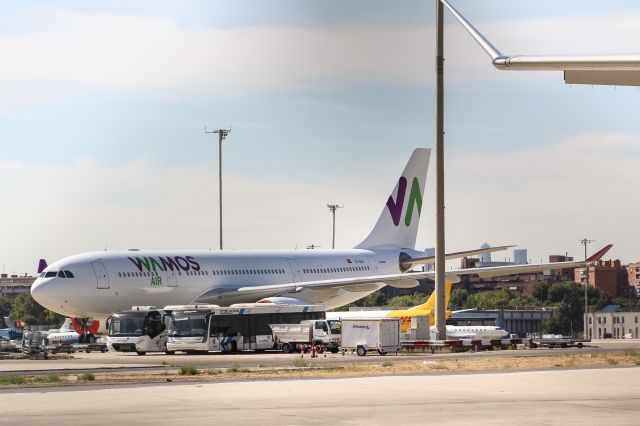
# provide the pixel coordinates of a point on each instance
(612, 361)
(237, 369)
(630, 352)
(387, 364)
(301, 363)
(49, 378)
(87, 377)
(213, 372)
(188, 370)
(438, 367)
(12, 379)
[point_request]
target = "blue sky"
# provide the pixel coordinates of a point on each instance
(104, 104)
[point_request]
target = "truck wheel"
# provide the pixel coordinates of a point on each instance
(170, 352)
(286, 348)
(564, 345)
(141, 353)
(91, 339)
(334, 350)
(88, 350)
(580, 345)
(381, 352)
(361, 351)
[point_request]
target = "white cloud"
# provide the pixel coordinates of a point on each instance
(548, 198)
(75, 51)
(544, 199)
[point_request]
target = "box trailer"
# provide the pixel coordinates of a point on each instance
(364, 335)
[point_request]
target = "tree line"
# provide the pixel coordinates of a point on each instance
(567, 299)
(25, 308)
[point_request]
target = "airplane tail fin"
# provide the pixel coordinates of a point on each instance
(398, 222)
(599, 254)
(430, 304)
(42, 264)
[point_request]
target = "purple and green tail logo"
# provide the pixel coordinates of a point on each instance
(415, 198)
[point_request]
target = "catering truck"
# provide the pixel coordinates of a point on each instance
(243, 326)
(364, 335)
(322, 333)
(142, 329)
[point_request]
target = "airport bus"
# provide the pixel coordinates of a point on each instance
(142, 329)
(206, 328)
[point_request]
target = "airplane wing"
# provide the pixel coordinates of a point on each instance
(357, 283)
(431, 260)
(618, 70)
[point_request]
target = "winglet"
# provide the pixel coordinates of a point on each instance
(598, 255)
(42, 265)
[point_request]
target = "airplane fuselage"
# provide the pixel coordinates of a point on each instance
(98, 284)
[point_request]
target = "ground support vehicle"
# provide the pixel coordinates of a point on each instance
(556, 342)
(322, 334)
(364, 335)
(244, 326)
(33, 343)
(142, 329)
(70, 348)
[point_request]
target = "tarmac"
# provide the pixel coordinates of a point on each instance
(593, 396)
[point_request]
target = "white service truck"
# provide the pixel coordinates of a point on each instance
(319, 332)
(364, 335)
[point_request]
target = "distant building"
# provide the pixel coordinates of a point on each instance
(430, 251)
(12, 286)
(613, 322)
(520, 256)
(609, 276)
(633, 278)
(485, 257)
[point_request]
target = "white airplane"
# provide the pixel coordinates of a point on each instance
(95, 285)
(65, 334)
(475, 332)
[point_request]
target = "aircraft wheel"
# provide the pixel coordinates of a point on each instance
(361, 351)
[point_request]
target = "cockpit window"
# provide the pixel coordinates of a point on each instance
(68, 274)
(50, 274)
(61, 274)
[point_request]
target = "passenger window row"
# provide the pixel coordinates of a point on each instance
(278, 271)
(332, 270)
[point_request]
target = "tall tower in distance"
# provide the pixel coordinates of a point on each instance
(485, 257)
(520, 256)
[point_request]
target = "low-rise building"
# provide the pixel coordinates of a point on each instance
(613, 322)
(633, 277)
(609, 276)
(12, 286)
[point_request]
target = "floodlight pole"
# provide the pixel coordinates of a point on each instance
(584, 242)
(332, 209)
(441, 328)
(222, 134)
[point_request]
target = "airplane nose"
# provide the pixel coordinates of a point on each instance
(44, 293)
